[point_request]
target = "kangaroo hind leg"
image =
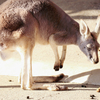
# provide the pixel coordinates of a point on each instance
(26, 72)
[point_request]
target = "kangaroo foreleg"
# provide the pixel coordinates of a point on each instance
(63, 56)
(56, 40)
(55, 50)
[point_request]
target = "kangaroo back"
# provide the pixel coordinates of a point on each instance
(25, 22)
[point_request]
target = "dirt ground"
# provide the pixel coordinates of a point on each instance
(87, 10)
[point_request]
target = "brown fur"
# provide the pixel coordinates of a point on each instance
(25, 22)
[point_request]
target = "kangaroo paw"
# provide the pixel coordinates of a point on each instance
(98, 90)
(56, 68)
(61, 64)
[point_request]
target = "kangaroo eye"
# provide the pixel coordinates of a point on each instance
(84, 47)
(89, 46)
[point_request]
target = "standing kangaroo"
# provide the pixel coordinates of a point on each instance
(25, 22)
(97, 32)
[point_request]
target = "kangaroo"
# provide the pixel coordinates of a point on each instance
(97, 32)
(23, 23)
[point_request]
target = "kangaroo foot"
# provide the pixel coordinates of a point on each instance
(56, 68)
(57, 88)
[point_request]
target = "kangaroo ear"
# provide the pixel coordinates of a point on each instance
(84, 30)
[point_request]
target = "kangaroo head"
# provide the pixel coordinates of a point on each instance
(88, 43)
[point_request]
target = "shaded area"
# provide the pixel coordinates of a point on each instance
(10, 86)
(84, 17)
(75, 7)
(92, 79)
(66, 81)
(79, 5)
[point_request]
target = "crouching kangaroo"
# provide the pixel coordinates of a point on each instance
(25, 22)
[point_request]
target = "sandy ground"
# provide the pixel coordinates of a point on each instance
(10, 90)
(76, 65)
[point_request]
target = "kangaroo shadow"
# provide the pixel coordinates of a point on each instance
(93, 77)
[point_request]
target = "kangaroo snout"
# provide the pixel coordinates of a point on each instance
(93, 59)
